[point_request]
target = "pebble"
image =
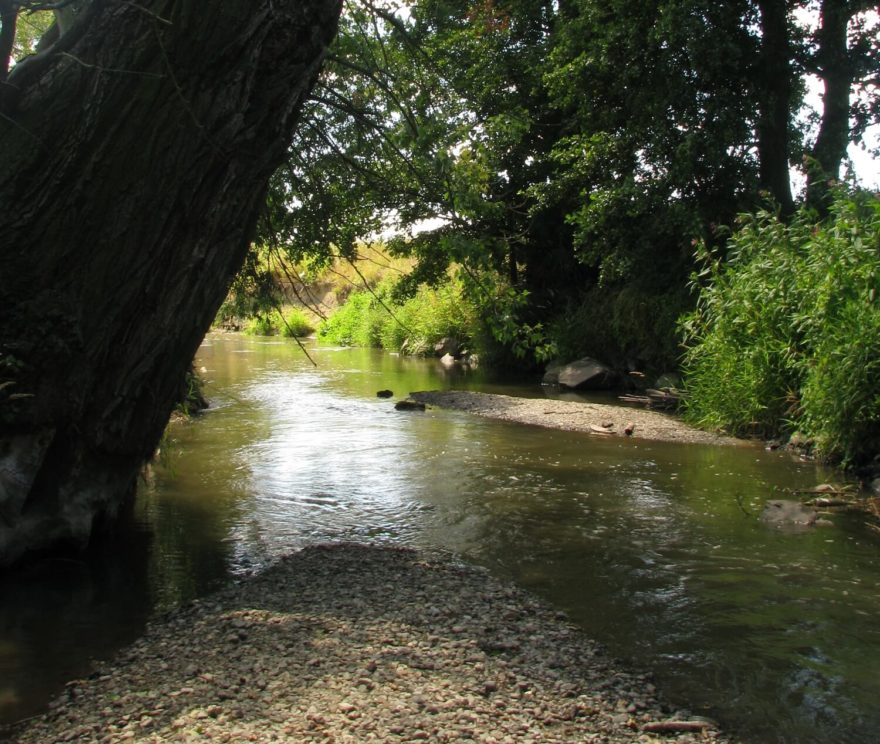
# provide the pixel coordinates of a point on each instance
(350, 643)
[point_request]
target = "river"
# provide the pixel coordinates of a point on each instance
(654, 549)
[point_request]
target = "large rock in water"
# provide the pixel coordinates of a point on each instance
(551, 373)
(587, 374)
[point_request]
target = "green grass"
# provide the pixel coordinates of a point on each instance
(293, 322)
(413, 325)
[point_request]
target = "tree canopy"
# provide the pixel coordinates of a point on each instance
(568, 154)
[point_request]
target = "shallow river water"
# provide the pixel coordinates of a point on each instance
(656, 550)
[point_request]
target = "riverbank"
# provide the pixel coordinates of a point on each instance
(350, 643)
(596, 418)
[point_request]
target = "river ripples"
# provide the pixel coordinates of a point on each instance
(655, 549)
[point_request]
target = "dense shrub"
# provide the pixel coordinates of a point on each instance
(290, 322)
(375, 319)
(352, 324)
(786, 334)
(295, 323)
(260, 325)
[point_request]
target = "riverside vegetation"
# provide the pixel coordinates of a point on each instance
(783, 342)
(785, 338)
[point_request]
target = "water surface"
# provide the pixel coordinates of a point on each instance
(654, 549)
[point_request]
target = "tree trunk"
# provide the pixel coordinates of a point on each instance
(775, 104)
(837, 73)
(134, 158)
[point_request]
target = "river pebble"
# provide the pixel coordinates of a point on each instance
(349, 643)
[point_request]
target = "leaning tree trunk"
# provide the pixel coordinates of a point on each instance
(134, 157)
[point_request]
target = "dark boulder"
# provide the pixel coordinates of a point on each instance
(587, 374)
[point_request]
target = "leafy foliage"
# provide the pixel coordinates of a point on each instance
(30, 28)
(413, 325)
(564, 156)
(785, 334)
(291, 323)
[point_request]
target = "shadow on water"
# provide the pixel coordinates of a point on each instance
(57, 614)
(60, 613)
(654, 549)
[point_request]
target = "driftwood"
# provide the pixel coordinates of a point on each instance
(662, 399)
(667, 727)
(828, 488)
(824, 502)
(828, 495)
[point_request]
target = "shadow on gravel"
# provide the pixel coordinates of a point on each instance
(358, 642)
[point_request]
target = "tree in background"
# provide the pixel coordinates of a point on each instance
(425, 119)
(566, 155)
(844, 53)
(657, 150)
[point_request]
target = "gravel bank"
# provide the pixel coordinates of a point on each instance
(574, 416)
(350, 643)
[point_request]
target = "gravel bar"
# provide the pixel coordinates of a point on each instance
(612, 420)
(350, 643)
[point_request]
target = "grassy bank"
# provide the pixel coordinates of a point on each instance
(414, 325)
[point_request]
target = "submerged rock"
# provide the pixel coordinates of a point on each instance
(409, 405)
(784, 513)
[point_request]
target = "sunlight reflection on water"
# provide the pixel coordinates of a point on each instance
(654, 549)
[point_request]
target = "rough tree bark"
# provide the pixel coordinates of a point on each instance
(134, 158)
(775, 85)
